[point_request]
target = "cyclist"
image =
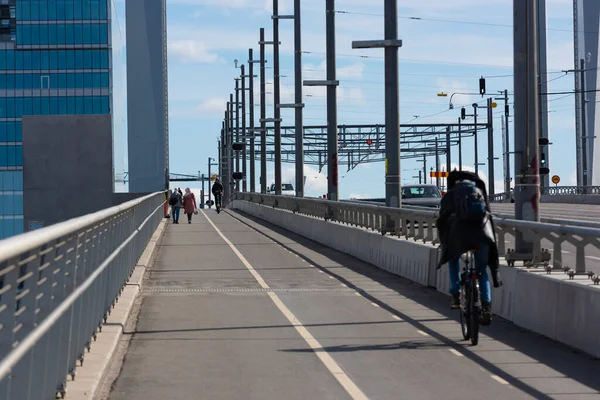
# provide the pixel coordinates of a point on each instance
(465, 223)
(217, 191)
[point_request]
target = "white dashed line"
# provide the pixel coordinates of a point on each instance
(593, 258)
(375, 305)
(357, 294)
(331, 277)
(397, 318)
(498, 379)
(344, 285)
(334, 368)
(456, 352)
(422, 333)
(321, 272)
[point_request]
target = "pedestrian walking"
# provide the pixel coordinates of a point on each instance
(189, 204)
(176, 202)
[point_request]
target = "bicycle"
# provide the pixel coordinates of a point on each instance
(218, 202)
(470, 299)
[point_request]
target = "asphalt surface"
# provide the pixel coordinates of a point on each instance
(276, 316)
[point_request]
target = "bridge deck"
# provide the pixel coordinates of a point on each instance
(215, 323)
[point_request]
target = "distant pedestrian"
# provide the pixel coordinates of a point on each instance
(176, 202)
(189, 204)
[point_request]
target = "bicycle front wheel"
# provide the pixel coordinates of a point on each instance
(474, 311)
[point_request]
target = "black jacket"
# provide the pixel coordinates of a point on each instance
(457, 237)
(216, 187)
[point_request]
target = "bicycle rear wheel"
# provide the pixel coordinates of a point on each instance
(474, 311)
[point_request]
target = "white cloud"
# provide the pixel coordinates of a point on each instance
(212, 106)
(192, 51)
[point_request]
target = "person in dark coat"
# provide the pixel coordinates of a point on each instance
(458, 237)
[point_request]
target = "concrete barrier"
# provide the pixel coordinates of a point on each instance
(563, 310)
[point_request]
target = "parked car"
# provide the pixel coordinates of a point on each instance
(421, 195)
(287, 189)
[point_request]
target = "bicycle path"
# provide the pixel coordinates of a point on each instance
(235, 308)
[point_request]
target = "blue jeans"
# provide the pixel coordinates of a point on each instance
(176, 211)
(481, 262)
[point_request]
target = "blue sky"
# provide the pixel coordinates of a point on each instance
(205, 36)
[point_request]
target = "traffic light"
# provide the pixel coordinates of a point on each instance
(543, 141)
(506, 110)
(463, 113)
(544, 170)
(482, 86)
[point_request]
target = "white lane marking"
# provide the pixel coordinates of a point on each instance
(344, 285)
(358, 294)
(331, 277)
(397, 318)
(422, 333)
(455, 352)
(351, 388)
(498, 379)
(321, 272)
(593, 258)
(375, 305)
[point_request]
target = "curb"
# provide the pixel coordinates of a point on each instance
(97, 361)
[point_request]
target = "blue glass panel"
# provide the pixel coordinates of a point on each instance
(19, 60)
(3, 134)
(11, 159)
(2, 81)
(62, 81)
(44, 34)
(53, 105)
(78, 80)
(61, 34)
(105, 105)
(94, 9)
(86, 12)
(35, 33)
(37, 107)
(18, 131)
(17, 180)
(95, 33)
(10, 108)
(9, 229)
(3, 59)
(19, 156)
(62, 59)
(18, 108)
(26, 60)
(69, 33)
(10, 81)
(18, 204)
(52, 16)
(77, 12)
(35, 10)
(78, 32)
(78, 59)
(10, 131)
(43, 11)
(71, 105)
(97, 80)
(70, 80)
(53, 59)
(103, 9)
(103, 59)
(88, 80)
(19, 224)
(10, 59)
(45, 105)
(19, 81)
(20, 36)
(2, 107)
(88, 105)
(52, 33)
(79, 105)
(8, 204)
(97, 100)
(103, 33)
(28, 106)
(36, 59)
(61, 10)
(4, 160)
(87, 59)
(62, 105)
(69, 10)
(104, 79)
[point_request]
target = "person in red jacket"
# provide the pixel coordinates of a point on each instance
(189, 204)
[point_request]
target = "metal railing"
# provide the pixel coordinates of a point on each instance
(58, 286)
(419, 224)
(554, 191)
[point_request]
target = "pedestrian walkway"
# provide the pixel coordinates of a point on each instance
(237, 309)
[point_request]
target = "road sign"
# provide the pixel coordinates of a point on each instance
(213, 177)
(438, 174)
(556, 179)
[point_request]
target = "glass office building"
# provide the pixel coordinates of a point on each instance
(56, 58)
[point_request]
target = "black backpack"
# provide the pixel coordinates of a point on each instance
(173, 200)
(469, 202)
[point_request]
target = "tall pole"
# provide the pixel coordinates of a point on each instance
(459, 144)
(276, 98)
(202, 194)
(226, 147)
(251, 116)
(437, 164)
(424, 168)
(542, 50)
(448, 155)
(392, 108)
(237, 127)
(577, 27)
(230, 143)
(209, 177)
(584, 149)
(332, 134)
(491, 177)
(263, 115)
(507, 143)
(476, 141)
(299, 125)
(243, 116)
(420, 177)
(527, 187)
